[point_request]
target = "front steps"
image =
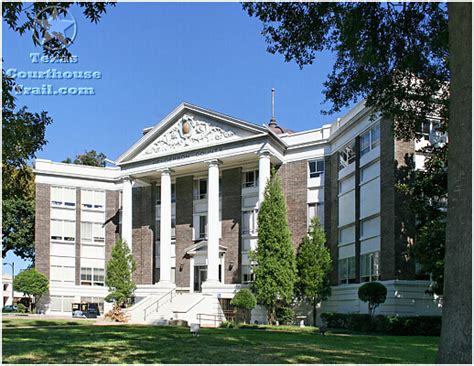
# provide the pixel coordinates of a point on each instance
(203, 309)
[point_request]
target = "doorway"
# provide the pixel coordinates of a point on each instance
(200, 275)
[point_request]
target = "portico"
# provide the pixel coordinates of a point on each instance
(208, 170)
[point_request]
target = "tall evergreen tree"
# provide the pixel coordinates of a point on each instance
(314, 265)
(275, 273)
(119, 274)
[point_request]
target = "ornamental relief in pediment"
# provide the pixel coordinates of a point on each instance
(186, 133)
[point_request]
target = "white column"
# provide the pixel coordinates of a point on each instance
(165, 230)
(191, 274)
(213, 223)
(264, 172)
(127, 211)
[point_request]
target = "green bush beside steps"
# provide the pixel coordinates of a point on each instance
(390, 324)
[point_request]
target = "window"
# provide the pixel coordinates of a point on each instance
(315, 210)
(249, 222)
(370, 140)
(173, 227)
(250, 179)
(247, 274)
(92, 276)
(91, 199)
(347, 270)
(316, 168)
(346, 156)
(62, 274)
(61, 303)
(202, 227)
(369, 267)
(92, 232)
(200, 189)
(63, 196)
(5, 287)
(158, 194)
(63, 230)
(158, 228)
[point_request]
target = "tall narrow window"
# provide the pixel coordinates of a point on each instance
(202, 226)
(250, 179)
(346, 156)
(316, 168)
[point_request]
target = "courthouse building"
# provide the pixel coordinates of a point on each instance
(185, 197)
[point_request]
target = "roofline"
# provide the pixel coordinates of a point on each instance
(151, 131)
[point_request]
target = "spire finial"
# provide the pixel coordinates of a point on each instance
(273, 120)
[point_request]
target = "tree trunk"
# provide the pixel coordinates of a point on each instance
(456, 332)
(314, 312)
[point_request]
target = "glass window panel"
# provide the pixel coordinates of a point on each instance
(99, 233)
(56, 230)
(87, 198)
(67, 303)
(70, 197)
(99, 199)
(69, 230)
(55, 303)
(86, 231)
(375, 136)
(56, 195)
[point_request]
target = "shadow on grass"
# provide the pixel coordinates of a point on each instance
(149, 344)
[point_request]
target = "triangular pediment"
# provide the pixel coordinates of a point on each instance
(186, 128)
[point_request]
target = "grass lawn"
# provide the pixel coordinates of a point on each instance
(152, 344)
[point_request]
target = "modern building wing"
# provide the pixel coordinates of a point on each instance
(185, 197)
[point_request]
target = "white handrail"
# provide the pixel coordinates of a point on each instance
(157, 303)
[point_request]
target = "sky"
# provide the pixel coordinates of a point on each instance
(153, 56)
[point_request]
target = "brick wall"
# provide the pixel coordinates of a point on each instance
(231, 221)
(112, 219)
(331, 208)
(294, 177)
(142, 234)
(397, 223)
(184, 227)
(42, 228)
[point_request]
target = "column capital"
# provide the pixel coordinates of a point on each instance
(213, 162)
(128, 178)
(166, 171)
(264, 153)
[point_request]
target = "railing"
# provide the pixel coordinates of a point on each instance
(212, 317)
(153, 308)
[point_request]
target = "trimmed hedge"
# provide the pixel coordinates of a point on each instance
(391, 324)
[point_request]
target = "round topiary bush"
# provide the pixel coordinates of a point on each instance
(373, 293)
(244, 301)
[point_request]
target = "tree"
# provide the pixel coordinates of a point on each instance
(91, 158)
(314, 266)
(24, 131)
(427, 190)
(456, 329)
(374, 293)
(119, 275)
(244, 301)
(275, 272)
(31, 283)
(400, 58)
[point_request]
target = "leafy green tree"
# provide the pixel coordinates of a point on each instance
(428, 192)
(91, 158)
(373, 293)
(314, 266)
(32, 283)
(401, 58)
(119, 275)
(275, 272)
(244, 301)
(23, 132)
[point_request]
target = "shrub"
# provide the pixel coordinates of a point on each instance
(22, 308)
(285, 315)
(360, 322)
(244, 301)
(334, 320)
(226, 324)
(391, 324)
(374, 293)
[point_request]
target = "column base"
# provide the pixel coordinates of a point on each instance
(211, 287)
(165, 285)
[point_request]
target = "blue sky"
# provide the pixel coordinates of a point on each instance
(153, 56)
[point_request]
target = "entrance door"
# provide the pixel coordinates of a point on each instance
(200, 275)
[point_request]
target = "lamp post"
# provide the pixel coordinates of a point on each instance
(12, 264)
